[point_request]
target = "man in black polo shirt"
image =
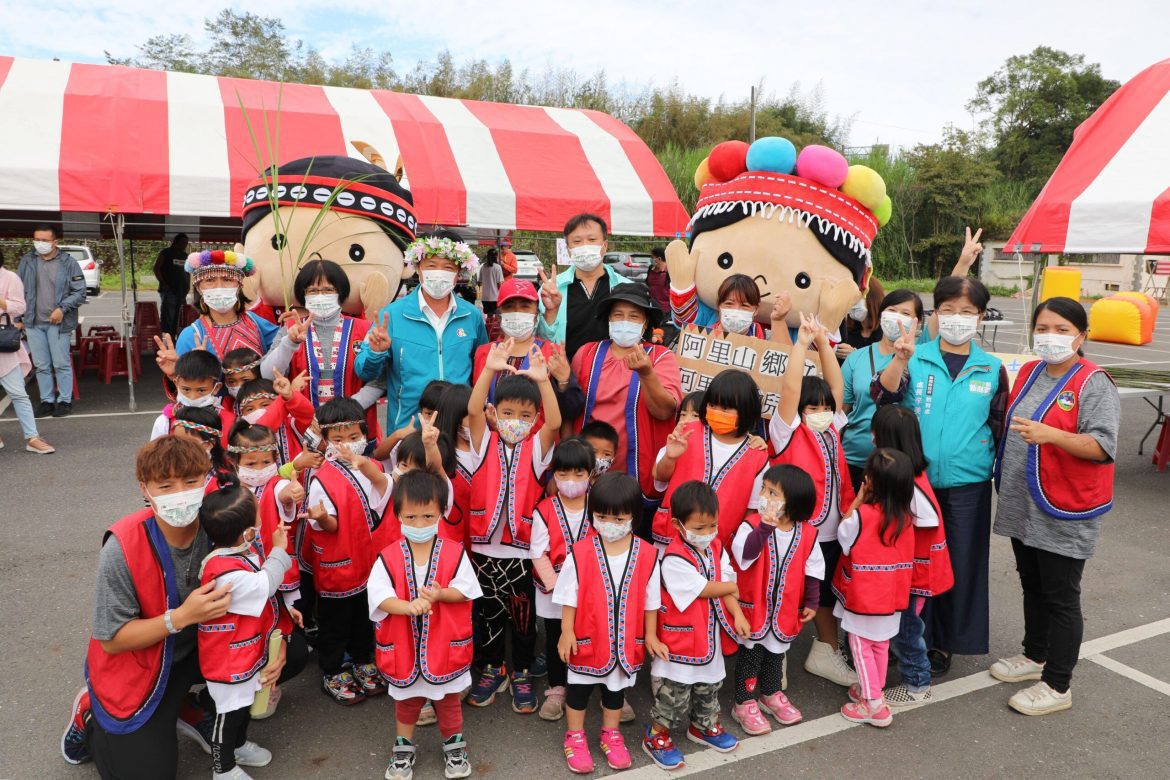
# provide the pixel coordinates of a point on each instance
(172, 283)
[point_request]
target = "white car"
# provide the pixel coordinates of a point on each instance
(89, 267)
(528, 265)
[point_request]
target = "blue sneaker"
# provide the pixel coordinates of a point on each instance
(73, 747)
(523, 694)
(494, 680)
(716, 738)
(661, 749)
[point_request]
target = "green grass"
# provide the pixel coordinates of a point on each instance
(113, 281)
(927, 286)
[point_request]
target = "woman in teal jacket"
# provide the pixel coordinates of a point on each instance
(959, 393)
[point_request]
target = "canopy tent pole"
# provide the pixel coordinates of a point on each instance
(118, 223)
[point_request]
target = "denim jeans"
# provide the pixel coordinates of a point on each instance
(910, 648)
(13, 384)
(48, 346)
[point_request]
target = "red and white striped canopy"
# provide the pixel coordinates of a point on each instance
(90, 138)
(1111, 192)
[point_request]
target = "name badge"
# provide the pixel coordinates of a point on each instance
(980, 387)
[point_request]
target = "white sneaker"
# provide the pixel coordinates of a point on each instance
(235, 773)
(1040, 699)
(1016, 669)
(251, 754)
(627, 715)
(826, 661)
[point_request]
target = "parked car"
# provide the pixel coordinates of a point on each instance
(528, 265)
(632, 265)
(89, 267)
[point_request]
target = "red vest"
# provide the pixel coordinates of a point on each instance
(288, 420)
(233, 648)
(505, 491)
(771, 590)
(645, 434)
(560, 534)
(343, 379)
(610, 624)
(1061, 484)
(932, 560)
(733, 482)
(874, 578)
(821, 456)
(436, 646)
(456, 526)
(341, 561)
(267, 498)
(125, 688)
(693, 635)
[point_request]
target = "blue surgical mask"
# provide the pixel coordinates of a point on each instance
(420, 535)
(625, 333)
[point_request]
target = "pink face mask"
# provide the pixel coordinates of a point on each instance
(572, 488)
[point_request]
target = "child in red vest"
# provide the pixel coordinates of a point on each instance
(233, 649)
(603, 439)
(240, 366)
(558, 522)
(279, 405)
(700, 612)
(609, 591)
(897, 427)
(197, 383)
(779, 568)
(505, 488)
(346, 504)
(452, 424)
(805, 432)
(872, 582)
(716, 450)
(419, 597)
(202, 425)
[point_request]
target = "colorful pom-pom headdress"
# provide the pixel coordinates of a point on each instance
(210, 263)
(458, 252)
(844, 205)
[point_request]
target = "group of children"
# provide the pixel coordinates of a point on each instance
(409, 561)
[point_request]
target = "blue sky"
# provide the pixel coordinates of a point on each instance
(902, 69)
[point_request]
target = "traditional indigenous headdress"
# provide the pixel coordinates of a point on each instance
(215, 263)
(437, 246)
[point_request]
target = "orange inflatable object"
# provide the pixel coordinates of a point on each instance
(1122, 320)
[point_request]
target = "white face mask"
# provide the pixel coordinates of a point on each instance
(612, 532)
(770, 507)
(601, 465)
(735, 320)
(702, 541)
(438, 284)
(356, 447)
(625, 333)
(220, 299)
(859, 311)
(254, 415)
(465, 433)
(893, 322)
(257, 477)
(197, 403)
(42, 247)
(234, 391)
(1053, 347)
(585, 257)
(957, 329)
(518, 324)
(178, 510)
(323, 305)
(819, 421)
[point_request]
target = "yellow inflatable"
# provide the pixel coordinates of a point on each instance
(1122, 320)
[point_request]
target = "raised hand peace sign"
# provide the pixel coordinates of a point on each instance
(904, 345)
(298, 328)
(379, 336)
(550, 294)
(165, 354)
(676, 442)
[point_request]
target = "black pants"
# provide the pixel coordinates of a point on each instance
(172, 305)
(957, 621)
(758, 672)
(230, 732)
(856, 476)
(506, 609)
(558, 672)
(344, 626)
(578, 697)
(1053, 626)
(152, 751)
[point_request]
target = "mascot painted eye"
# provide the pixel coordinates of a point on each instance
(725, 260)
(357, 252)
(803, 280)
(278, 241)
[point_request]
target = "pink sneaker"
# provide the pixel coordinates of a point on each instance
(614, 748)
(750, 719)
(781, 709)
(855, 693)
(861, 712)
(577, 754)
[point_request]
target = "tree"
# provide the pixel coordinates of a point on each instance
(1035, 102)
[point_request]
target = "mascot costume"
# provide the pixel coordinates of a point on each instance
(802, 224)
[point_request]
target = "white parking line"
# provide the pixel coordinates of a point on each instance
(1128, 671)
(155, 412)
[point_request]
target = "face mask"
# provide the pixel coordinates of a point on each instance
(1053, 347)
(420, 535)
(356, 447)
(43, 247)
(770, 507)
(438, 284)
(735, 320)
(722, 422)
(518, 324)
(957, 329)
(612, 532)
(513, 431)
(572, 488)
(178, 510)
(234, 392)
(254, 416)
(201, 402)
(625, 333)
(819, 421)
(601, 465)
(324, 305)
(859, 312)
(221, 299)
(702, 541)
(892, 323)
(256, 477)
(465, 433)
(585, 257)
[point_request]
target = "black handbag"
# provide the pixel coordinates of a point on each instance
(9, 335)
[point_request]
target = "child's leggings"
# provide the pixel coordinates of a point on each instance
(229, 732)
(758, 672)
(870, 659)
(448, 710)
(578, 695)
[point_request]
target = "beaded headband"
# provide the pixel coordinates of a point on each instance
(242, 369)
(193, 426)
(233, 449)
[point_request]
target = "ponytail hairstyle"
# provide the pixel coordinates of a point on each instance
(891, 481)
(896, 427)
(204, 423)
(227, 512)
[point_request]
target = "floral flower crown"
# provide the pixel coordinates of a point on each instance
(432, 246)
(208, 260)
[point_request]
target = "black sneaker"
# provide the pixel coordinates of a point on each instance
(64, 409)
(940, 662)
(45, 409)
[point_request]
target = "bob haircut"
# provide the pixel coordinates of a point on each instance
(951, 288)
(800, 495)
(733, 389)
(615, 493)
(573, 454)
(316, 271)
(742, 286)
(815, 391)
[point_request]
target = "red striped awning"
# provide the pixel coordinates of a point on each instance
(91, 138)
(1111, 192)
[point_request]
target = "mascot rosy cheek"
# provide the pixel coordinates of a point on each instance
(798, 224)
(365, 229)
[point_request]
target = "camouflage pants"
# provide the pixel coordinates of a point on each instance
(677, 703)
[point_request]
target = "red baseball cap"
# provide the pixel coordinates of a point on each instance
(516, 288)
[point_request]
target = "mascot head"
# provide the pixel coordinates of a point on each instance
(801, 224)
(353, 212)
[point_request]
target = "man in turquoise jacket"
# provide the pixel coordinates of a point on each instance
(426, 335)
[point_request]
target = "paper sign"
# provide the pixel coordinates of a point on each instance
(562, 253)
(1012, 363)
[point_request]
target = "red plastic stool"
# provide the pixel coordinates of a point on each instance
(97, 330)
(114, 362)
(146, 313)
(89, 353)
(1162, 451)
